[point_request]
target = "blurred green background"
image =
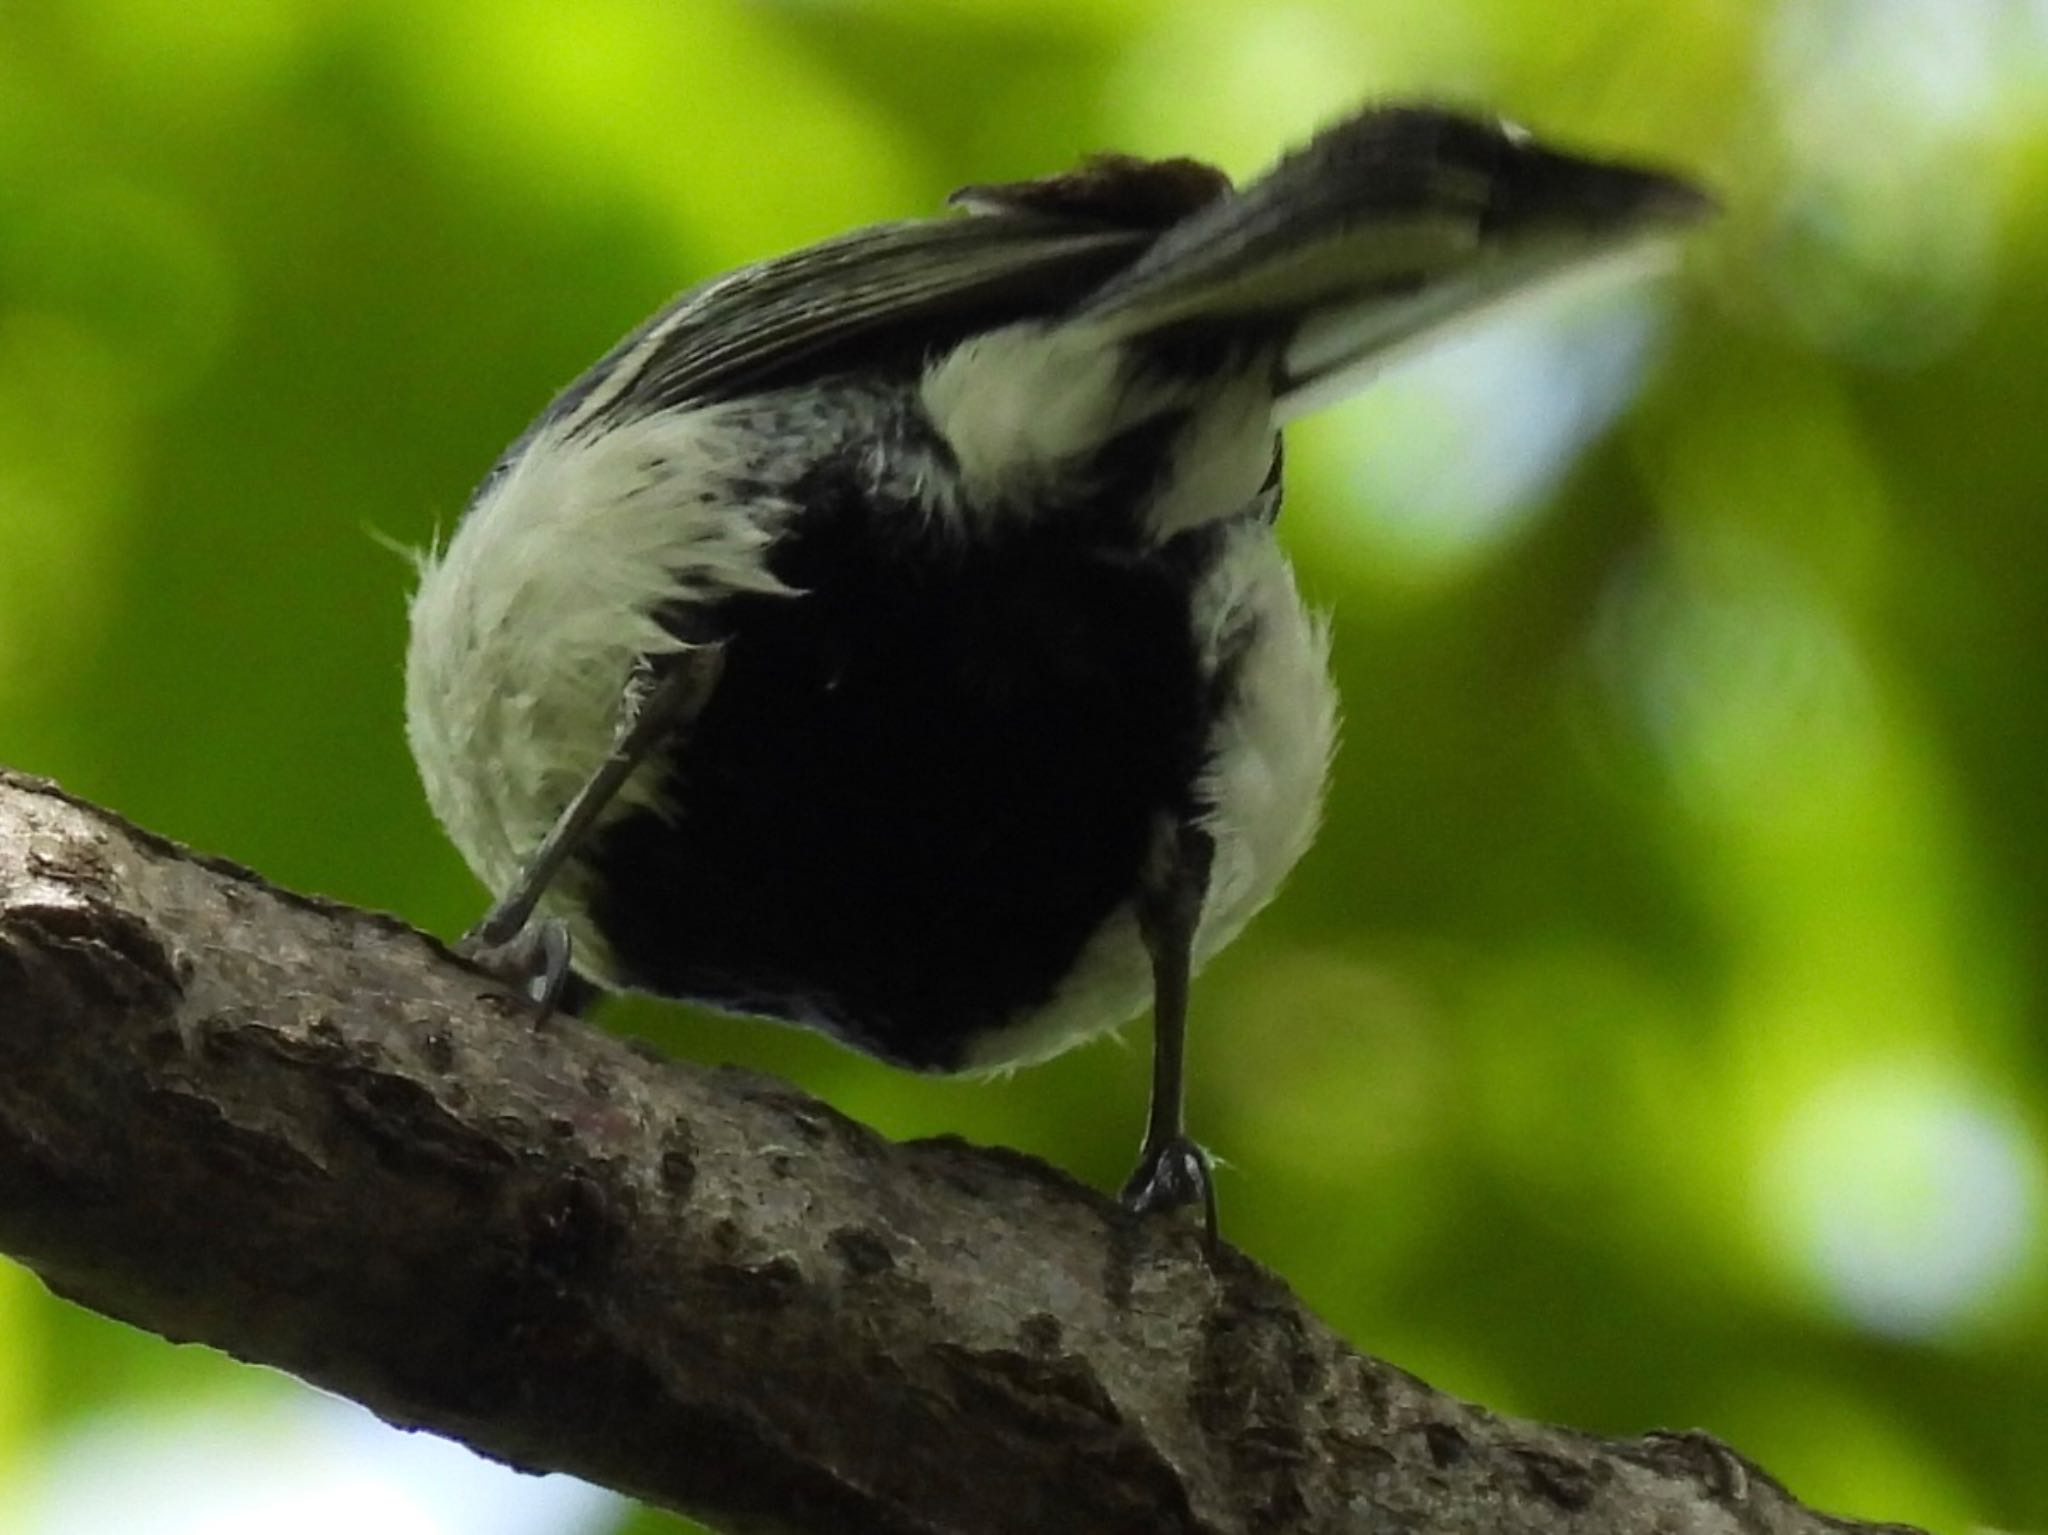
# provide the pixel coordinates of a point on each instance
(1656, 1035)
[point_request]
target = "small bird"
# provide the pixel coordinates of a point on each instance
(891, 637)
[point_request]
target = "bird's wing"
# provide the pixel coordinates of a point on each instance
(857, 300)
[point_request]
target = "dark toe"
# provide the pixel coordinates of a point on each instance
(1172, 1176)
(533, 961)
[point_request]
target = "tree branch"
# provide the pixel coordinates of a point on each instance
(306, 1135)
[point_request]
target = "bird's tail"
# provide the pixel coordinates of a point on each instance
(1381, 231)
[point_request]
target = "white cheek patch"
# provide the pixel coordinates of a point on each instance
(1025, 405)
(1027, 409)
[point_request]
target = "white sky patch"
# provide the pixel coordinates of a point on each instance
(1908, 66)
(301, 1463)
(1454, 451)
(1895, 115)
(1912, 1201)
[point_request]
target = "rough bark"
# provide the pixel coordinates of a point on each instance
(305, 1135)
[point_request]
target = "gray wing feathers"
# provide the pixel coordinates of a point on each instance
(1384, 228)
(738, 332)
(1361, 203)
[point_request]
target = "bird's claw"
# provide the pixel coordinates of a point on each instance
(1171, 1176)
(534, 961)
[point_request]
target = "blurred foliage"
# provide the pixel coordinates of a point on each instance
(1656, 1035)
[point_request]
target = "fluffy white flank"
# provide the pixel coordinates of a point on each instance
(525, 628)
(1268, 759)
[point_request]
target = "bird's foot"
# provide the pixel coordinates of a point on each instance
(1171, 1175)
(534, 961)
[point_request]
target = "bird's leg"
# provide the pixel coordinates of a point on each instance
(663, 697)
(1172, 1170)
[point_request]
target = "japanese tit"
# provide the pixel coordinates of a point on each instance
(891, 637)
